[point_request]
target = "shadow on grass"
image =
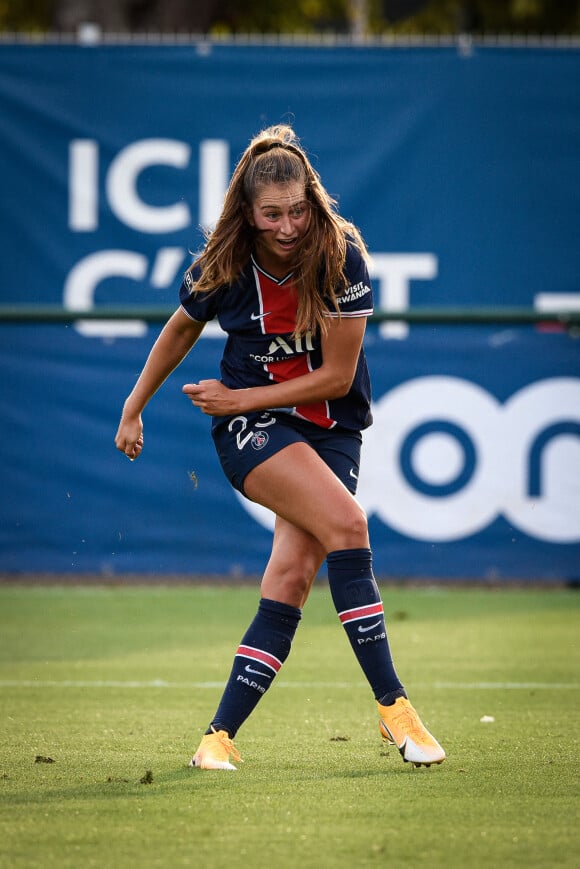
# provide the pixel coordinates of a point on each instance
(149, 784)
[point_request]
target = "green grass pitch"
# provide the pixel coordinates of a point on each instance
(115, 686)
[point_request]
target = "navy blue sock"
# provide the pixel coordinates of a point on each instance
(264, 648)
(358, 603)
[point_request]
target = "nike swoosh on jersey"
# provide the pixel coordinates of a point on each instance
(260, 316)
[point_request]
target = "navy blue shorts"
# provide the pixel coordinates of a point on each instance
(245, 441)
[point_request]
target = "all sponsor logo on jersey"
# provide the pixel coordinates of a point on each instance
(281, 346)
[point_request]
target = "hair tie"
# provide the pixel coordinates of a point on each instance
(286, 146)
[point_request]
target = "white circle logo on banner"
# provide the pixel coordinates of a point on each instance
(541, 439)
(444, 459)
(413, 421)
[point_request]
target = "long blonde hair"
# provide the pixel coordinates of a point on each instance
(275, 156)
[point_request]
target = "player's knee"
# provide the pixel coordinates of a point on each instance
(291, 581)
(353, 532)
(299, 576)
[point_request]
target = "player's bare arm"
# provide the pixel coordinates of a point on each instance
(340, 351)
(173, 344)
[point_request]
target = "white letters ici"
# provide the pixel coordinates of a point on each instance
(121, 185)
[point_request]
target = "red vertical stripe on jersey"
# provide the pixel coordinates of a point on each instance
(279, 305)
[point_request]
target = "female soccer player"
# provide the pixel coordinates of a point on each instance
(286, 277)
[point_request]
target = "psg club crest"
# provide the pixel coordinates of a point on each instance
(260, 439)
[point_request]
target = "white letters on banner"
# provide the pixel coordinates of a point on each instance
(121, 182)
(444, 459)
(122, 193)
(392, 272)
(83, 186)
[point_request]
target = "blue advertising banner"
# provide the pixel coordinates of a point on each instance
(461, 169)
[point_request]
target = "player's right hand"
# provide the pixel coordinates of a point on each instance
(129, 437)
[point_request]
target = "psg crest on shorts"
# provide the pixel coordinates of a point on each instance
(260, 439)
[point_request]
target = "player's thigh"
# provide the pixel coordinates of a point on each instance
(300, 487)
(295, 560)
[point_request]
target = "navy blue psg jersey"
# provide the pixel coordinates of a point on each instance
(258, 313)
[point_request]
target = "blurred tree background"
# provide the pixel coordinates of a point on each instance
(309, 17)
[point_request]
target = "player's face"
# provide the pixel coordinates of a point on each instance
(281, 214)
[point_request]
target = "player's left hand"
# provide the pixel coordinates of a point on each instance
(212, 397)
